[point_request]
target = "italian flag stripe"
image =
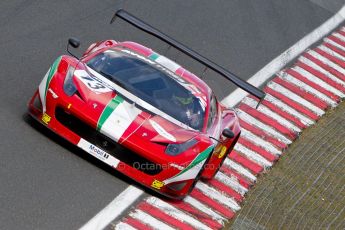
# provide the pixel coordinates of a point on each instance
(111, 106)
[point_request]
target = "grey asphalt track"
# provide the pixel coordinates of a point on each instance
(45, 183)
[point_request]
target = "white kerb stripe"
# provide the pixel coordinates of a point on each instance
(231, 182)
(296, 98)
(321, 70)
(331, 52)
(218, 196)
(176, 213)
(250, 154)
(205, 209)
(262, 108)
(240, 169)
(149, 220)
(259, 142)
(337, 35)
(326, 61)
(113, 209)
(318, 81)
(123, 226)
(286, 108)
(307, 88)
(268, 129)
(335, 44)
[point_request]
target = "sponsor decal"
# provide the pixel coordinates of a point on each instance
(222, 152)
(161, 131)
(157, 184)
(98, 153)
(54, 95)
(46, 118)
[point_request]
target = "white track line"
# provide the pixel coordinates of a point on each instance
(176, 213)
(279, 62)
(114, 209)
(289, 94)
(231, 100)
(318, 81)
(240, 169)
(149, 220)
(252, 103)
(287, 77)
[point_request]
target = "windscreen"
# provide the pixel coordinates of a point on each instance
(152, 83)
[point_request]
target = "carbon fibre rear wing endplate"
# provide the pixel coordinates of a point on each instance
(218, 69)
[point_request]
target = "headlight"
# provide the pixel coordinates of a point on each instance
(175, 149)
(69, 86)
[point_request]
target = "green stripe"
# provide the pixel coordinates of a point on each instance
(202, 156)
(154, 56)
(111, 106)
(52, 71)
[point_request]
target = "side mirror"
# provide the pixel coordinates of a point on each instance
(75, 43)
(228, 133)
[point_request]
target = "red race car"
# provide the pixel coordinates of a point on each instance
(140, 112)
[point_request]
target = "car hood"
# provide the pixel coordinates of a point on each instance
(118, 114)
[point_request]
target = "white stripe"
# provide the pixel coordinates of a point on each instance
(335, 44)
(268, 129)
(218, 196)
(260, 142)
(149, 220)
(337, 35)
(204, 209)
(307, 88)
(250, 154)
(318, 81)
(176, 213)
(42, 90)
(279, 62)
(331, 52)
(171, 65)
(295, 97)
(240, 169)
(231, 182)
(286, 108)
(123, 226)
(113, 209)
(327, 61)
(262, 108)
(119, 120)
(322, 70)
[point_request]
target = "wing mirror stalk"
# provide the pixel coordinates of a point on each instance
(75, 43)
(226, 133)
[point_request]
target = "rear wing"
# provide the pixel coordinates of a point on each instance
(191, 53)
